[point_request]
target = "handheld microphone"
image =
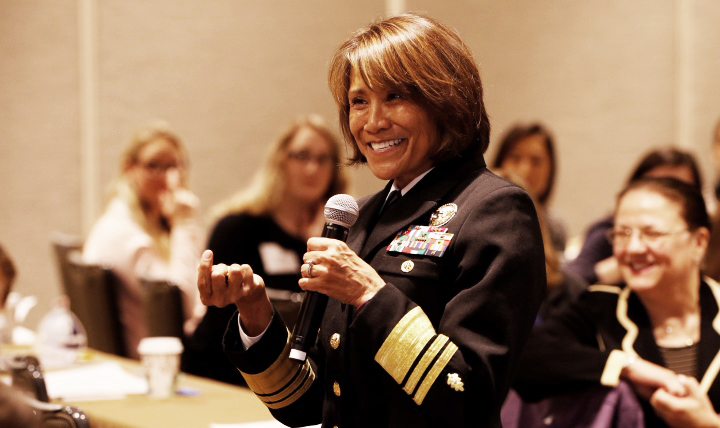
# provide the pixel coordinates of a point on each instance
(341, 212)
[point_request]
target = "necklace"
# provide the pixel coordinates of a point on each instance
(669, 330)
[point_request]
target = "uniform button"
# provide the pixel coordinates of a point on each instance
(335, 340)
(336, 388)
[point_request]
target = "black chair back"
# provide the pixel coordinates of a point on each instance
(92, 290)
(162, 301)
(62, 245)
(287, 303)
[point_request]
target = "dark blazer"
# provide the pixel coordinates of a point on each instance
(438, 345)
(572, 351)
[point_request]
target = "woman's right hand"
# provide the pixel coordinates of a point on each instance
(221, 285)
(693, 410)
(646, 378)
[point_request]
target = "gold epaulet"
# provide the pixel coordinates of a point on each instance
(413, 343)
(283, 382)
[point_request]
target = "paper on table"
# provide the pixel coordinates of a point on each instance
(261, 424)
(103, 381)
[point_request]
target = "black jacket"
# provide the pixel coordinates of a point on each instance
(438, 345)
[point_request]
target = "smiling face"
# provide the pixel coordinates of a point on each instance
(395, 134)
(658, 252)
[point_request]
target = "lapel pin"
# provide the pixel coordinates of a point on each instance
(443, 215)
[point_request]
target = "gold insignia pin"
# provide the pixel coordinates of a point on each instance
(335, 340)
(443, 215)
(407, 266)
(455, 382)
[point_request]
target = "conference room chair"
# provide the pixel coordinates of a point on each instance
(287, 303)
(162, 301)
(62, 244)
(92, 290)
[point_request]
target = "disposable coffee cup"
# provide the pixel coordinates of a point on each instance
(160, 358)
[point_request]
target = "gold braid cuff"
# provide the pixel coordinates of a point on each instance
(406, 345)
(283, 383)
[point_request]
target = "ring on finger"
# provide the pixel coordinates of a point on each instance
(309, 270)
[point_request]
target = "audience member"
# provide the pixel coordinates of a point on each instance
(656, 329)
(7, 276)
(420, 336)
(149, 228)
(267, 226)
(716, 157)
(562, 287)
(712, 258)
(595, 262)
(528, 151)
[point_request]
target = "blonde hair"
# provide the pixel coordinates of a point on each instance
(425, 61)
(267, 188)
(122, 189)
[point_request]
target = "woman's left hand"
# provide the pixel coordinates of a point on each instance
(693, 409)
(338, 272)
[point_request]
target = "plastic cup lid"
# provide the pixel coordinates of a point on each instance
(160, 345)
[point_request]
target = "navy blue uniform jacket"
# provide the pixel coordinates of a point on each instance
(439, 344)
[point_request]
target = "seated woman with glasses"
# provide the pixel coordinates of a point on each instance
(267, 226)
(149, 228)
(657, 330)
(596, 263)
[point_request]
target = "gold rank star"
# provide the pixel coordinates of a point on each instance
(455, 382)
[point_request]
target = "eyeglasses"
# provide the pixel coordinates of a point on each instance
(157, 168)
(647, 236)
(305, 157)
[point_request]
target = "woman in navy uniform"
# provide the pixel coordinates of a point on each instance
(412, 335)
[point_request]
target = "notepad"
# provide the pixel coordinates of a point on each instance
(102, 381)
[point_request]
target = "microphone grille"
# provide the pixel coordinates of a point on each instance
(341, 209)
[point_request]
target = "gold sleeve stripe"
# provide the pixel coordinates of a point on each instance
(405, 343)
(613, 366)
(294, 392)
(425, 361)
(283, 382)
(435, 371)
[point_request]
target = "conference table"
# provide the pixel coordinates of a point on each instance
(200, 403)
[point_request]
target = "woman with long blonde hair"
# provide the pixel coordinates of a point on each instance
(267, 226)
(149, 228)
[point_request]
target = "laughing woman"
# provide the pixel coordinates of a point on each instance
(656, 330)
(422, 334)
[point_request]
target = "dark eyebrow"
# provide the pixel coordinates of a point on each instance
(356, 91)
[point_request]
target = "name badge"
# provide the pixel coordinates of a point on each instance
(421, 240)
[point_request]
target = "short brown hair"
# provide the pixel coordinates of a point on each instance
(425, 60)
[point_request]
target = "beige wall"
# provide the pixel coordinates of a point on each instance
(610, 78)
